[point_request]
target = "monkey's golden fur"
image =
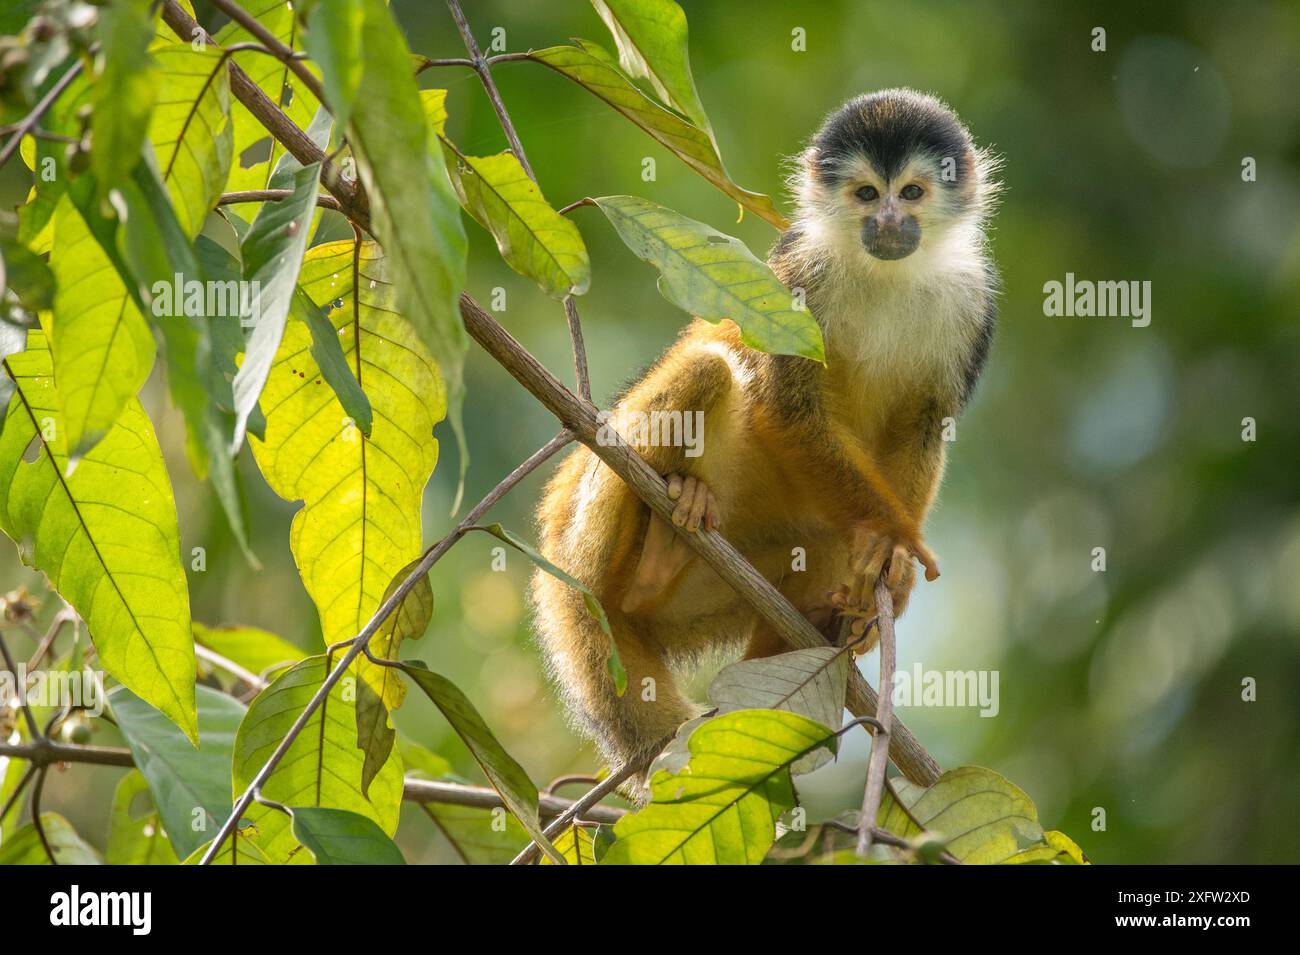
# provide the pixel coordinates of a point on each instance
(843, 461)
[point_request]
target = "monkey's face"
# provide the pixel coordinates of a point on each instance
(889, 174)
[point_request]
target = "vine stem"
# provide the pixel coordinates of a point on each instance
(431, 557)
(876, 768)
(28, 122)
(482, 67)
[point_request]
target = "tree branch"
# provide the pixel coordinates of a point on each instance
(579, 416)
(277, 49)
(352, 200)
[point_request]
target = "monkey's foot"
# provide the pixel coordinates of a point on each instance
(876, 554)
(696, 504)
(665, 552)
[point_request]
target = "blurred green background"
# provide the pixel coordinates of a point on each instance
(1119, 690)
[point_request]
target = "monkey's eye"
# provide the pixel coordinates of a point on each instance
(912, 191)
(867, 193)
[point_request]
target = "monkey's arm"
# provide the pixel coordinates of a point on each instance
(695, 377)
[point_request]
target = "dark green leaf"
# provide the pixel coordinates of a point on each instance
(339, 837)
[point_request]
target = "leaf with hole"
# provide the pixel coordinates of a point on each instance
(360, 522)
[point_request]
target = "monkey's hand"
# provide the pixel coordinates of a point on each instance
(856, 600)
(665, 552)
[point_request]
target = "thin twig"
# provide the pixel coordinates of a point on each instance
(61, 619)
(579, 809)
(272, 195)
(429, 63)
(230, 666)
(580, 370)
(31, 119)
(484, 797)
(17, 793)
(37, 790)
(376, 621)
(879, 763)
(577, 204)
(20, 689)
(494, 95)
(283, 53)
(352, 200)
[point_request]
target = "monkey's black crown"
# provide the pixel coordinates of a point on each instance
(887, 129)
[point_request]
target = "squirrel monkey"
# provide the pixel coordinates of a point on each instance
(842, 460)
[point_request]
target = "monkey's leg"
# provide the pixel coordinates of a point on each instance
(665, 553)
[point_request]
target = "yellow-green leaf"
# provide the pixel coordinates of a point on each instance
(106, 535)
(651, 36)
(251, 168)
(190, 129)
(360, 522)
(721, 809)
(101, 345)
(24, 847)
(533, 239)
(714, 276)
(322, 767)
(594, 70)
(256, 650)
(982, 817)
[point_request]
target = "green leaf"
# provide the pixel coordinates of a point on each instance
(24, 846)
(136, 839)
(507, 777)
(240, 849)
(191, 787)
(327, 352)
(533, 239)
(479, 836)
(101, 345)
(413, 211)
(360, 522)
(612, 662)
(12, 341)
(48, 160)
(594, 70)
(333, 39)
(339, 837)
(722, 808)
(380, 689)
(106, 536)
(124, 89)
(256, 153)
(322, 767)
(25, 274)
(272, 253)
(981, 816)
(809, 682)
(256, 650)
(190, 129)
(714, 276)
(651, 36)
(577, 845)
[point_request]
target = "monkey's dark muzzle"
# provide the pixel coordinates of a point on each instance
(891, 238)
